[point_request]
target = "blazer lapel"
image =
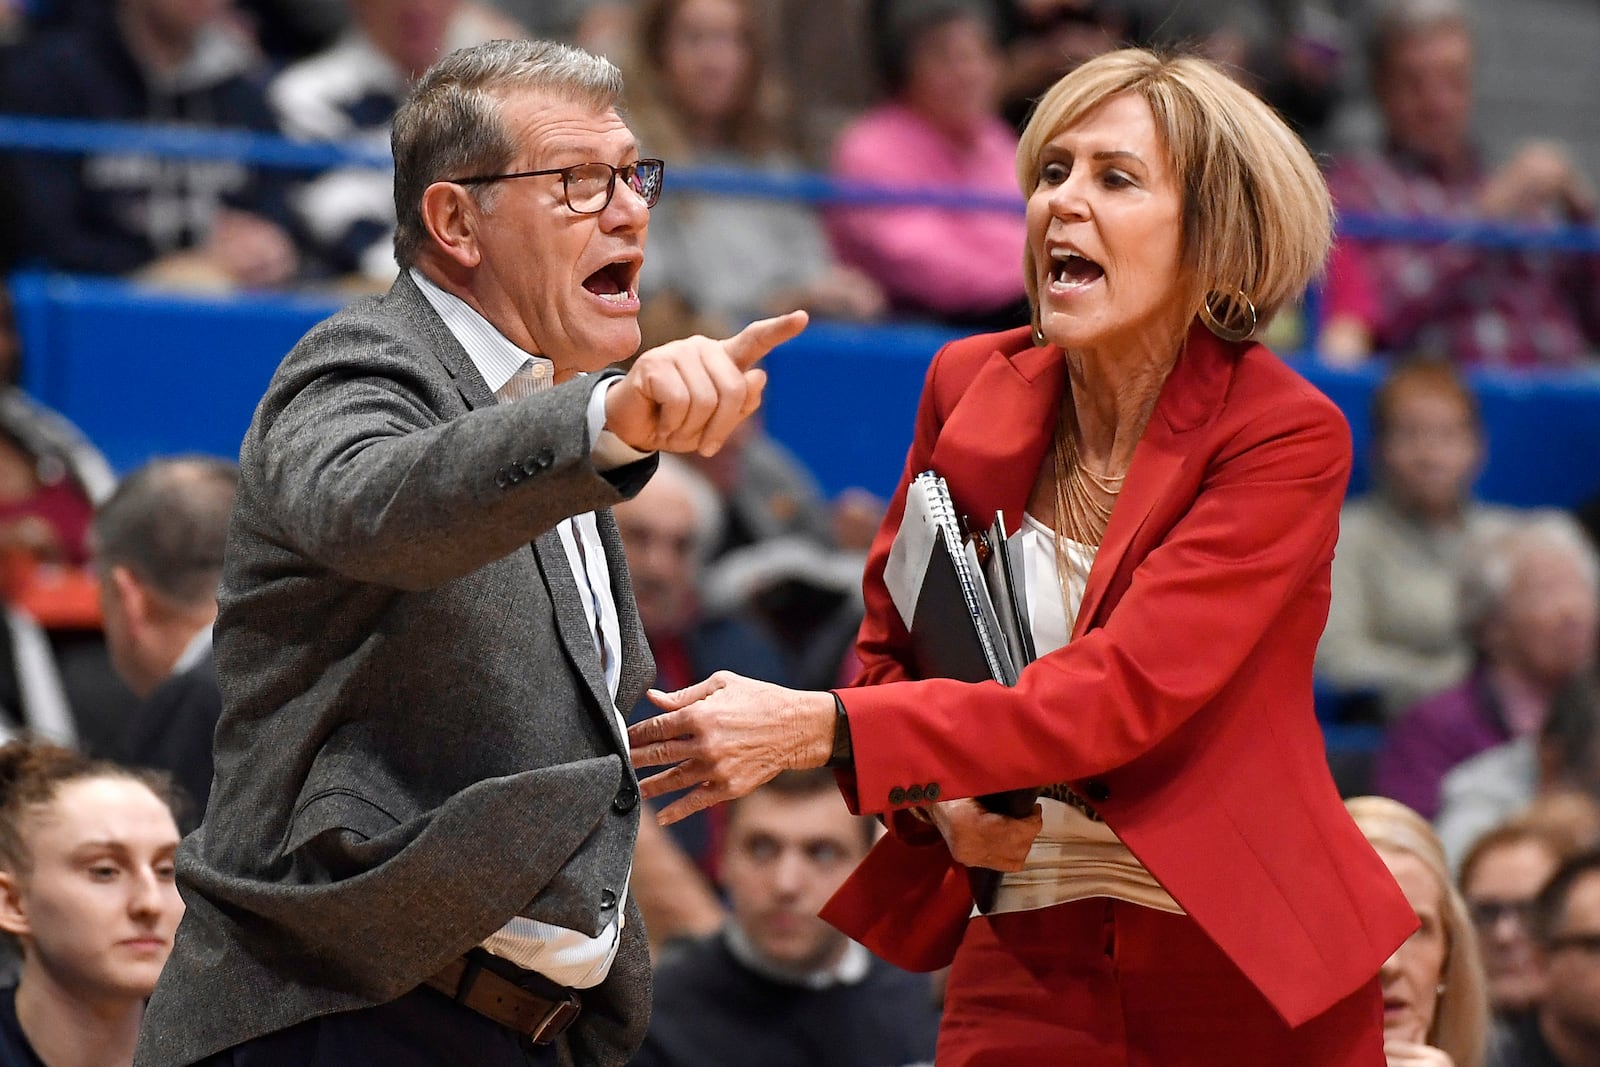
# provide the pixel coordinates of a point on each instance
(995, 437)
(1190, 398)
(572, 624)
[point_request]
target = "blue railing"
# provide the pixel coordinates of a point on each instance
(266, 150)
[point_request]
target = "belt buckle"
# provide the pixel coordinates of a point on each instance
(561, 1015)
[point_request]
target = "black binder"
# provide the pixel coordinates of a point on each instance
(968, 617)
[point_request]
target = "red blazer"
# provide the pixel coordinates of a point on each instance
(1182, 708)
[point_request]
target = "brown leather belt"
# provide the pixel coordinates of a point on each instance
(497, 989)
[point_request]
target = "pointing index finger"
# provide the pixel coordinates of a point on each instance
(762, 336)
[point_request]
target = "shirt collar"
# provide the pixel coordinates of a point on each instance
(496, 358)
(194, 651)
(850, 969)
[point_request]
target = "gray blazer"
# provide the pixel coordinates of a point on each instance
(417, 742)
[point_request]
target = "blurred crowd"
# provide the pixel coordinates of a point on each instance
(925, 94)
(1466, 632)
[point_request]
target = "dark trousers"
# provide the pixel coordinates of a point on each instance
(423, 1028)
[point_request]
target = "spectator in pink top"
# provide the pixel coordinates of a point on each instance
(1452, 300)
(941, 127)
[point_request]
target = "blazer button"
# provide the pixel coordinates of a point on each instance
(897, 796)
(626, 800)
(544, 458)
(931, 791)
(914, 794)
(608, 900)
(529, 467)
(501, 478)
(1096, 791)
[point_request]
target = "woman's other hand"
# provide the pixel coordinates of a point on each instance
(1410, 1054)
(979, 838)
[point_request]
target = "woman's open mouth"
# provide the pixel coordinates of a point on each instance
(1071, 270)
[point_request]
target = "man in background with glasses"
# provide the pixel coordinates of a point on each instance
(1564, 1029)
(419, 843)
(1501, 876)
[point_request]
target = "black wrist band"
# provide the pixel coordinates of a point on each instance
(842, 755)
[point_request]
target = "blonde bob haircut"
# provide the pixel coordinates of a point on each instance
(1257, 217)
(1461, 1016)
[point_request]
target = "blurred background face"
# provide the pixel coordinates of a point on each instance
(410, 32)
(1430, 451)
(784, 857)
(99, 904)
(1078, 30)
(953, 75)
(1425, 91)
(1502, 884)
(1412, 975)
(708, 58)
(1546, 627)
(658, 534)
(1573, 963)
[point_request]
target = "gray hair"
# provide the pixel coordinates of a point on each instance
(450, 124)
(167, 522)
(1490, 559)
(703, 501)
(1400, 20)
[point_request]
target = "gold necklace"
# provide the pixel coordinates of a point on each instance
(1084, 499)
(1081, 514)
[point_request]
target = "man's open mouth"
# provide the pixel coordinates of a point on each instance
(615, 281)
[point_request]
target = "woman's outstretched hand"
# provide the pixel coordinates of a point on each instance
(979, 838)
(726, 737)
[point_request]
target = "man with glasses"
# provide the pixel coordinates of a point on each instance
(1500, 878)
(1564, 1030)
(419, 844)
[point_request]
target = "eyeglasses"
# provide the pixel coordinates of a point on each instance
(1488, 913)
(1587, 943)
(588, 186)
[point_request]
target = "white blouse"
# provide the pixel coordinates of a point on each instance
(1075, 856)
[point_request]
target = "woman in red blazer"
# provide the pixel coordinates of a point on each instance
(1190, 890)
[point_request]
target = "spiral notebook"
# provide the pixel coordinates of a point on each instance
(963, 602)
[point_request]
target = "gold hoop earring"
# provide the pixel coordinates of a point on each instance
(1226, 324)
